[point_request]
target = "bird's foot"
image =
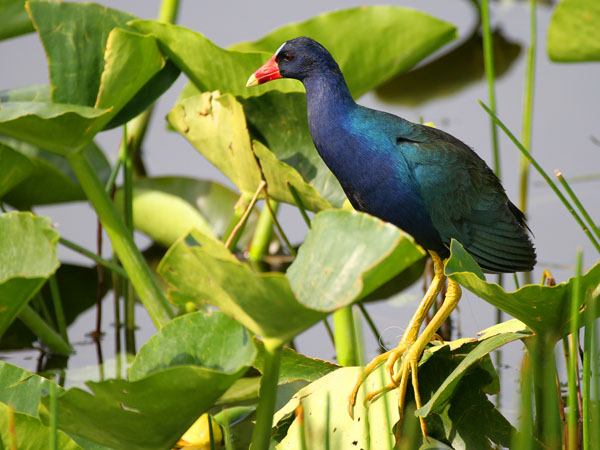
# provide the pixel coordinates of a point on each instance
(410, 355)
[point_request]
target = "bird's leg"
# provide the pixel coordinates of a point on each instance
(411, 358)
(408, 338)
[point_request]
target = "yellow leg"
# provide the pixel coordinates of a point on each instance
(408, 338)
(411, 359)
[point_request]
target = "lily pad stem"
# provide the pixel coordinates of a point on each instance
(134, 264)
(261, 436)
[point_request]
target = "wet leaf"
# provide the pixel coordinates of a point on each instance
(345, 256)
(295, 366)
(14, 20)
(155, 410)
(544, 309)
(200, 269)
(211, 340)
(402, 37)
(27, 259)
(74, 37)
(208, 66)
(52, 180)
(216, 126)
(14, 168)
(574, 31)
(167, 207)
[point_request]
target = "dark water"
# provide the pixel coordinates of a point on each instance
(566, 120)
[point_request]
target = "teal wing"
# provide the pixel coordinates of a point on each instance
(466, 200)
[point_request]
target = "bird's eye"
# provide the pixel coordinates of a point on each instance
(287, 57)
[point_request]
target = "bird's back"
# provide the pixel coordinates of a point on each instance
(449, 190)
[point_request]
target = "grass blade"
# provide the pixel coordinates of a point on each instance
(543, 173)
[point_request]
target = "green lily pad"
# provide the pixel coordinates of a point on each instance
(402, 37)
(14, 168)
(208, 66)
(574, 31)
(22, 389)
(201, 269)
(76, 53)
(295, 366)
(544, 309)
(128, 56)
(32, 93)
(345, 256)
(216, 126)
(29, 432)
(279, 122)
(462, 67)
(27, 259)
(474, 352)
(155, 410)
(14, 20)
(212, 340)
(153, 89)
(325, 405)
(78, 287)
(52, 180)
(59, 128)
(167, 207)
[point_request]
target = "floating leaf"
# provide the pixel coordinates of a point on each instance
(14, 168)
(208, 66)
(155, 410)
(216, 126)
(346, 255)
(52, 180)
(574, 31)
(27, 259)
(200, 269)
(167, 207)
(371, 44)
(295, 366)
(545, 309)
(212, 340)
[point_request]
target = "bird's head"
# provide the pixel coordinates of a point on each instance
(299, 59)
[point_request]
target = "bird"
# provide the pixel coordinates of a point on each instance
(419, 178)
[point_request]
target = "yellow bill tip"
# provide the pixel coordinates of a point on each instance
(252, 81)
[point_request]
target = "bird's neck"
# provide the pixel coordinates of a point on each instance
(329, 104)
